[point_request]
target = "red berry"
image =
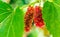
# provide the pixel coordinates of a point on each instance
(38, 20)
(28, 18)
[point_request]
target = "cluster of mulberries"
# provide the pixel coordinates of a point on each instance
(38, 20)
(33, 14)
(28, 19)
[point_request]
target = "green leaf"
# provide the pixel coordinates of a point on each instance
(54, 1)
(20, 3)
(26, 1)
(57, 2)
(5, 10)
(51, 15)
(11, 22)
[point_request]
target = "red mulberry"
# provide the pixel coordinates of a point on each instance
(28, 18)
(38, 20)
